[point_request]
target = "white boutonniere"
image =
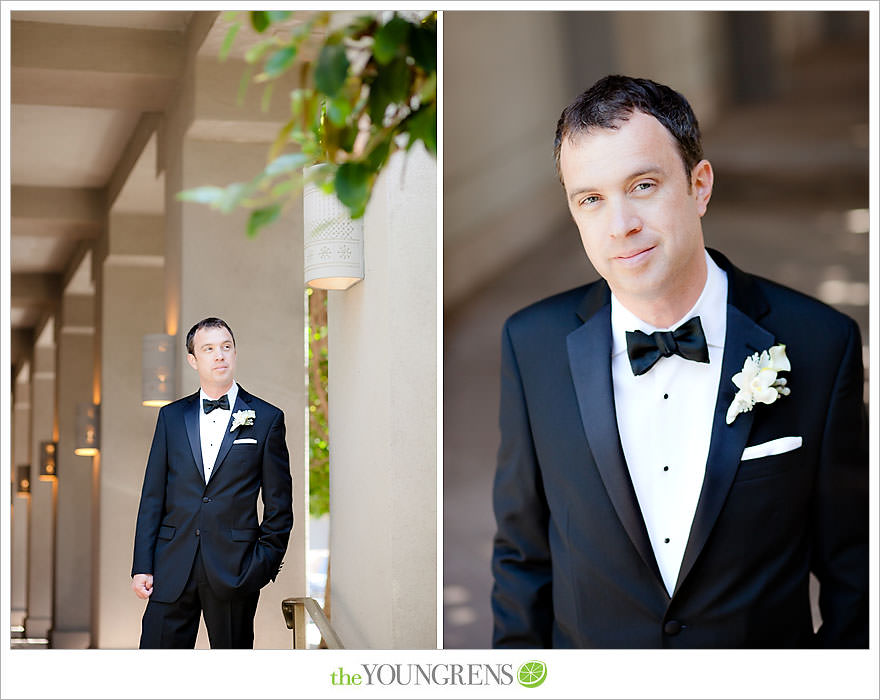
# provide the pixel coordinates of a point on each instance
(758, 381)
(240, 418)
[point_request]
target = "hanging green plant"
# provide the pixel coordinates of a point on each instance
(371, 91)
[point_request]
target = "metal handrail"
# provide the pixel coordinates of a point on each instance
(294, 610)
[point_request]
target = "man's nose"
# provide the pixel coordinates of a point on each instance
(624, 219)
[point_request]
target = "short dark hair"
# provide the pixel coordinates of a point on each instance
(614, 98)
(210, 322)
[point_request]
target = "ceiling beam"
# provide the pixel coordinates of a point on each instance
(87, 66)
(146, 127)
(21, 345)
(34, 288)
(73, 213)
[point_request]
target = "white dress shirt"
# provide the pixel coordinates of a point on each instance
(213, 427)
(664, 418)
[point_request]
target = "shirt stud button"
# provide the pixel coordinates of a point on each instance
(666, 540)
(665, 396)
(666, 469)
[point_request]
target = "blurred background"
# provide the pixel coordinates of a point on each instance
(782, 100)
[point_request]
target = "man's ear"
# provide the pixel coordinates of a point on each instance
(192, 361)
(702, 179)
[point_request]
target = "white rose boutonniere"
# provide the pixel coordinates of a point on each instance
(758, 381)
(240, 418)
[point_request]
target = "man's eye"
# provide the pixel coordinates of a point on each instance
(591, 199)
(642, 186)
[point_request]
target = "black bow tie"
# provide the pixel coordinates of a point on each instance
(687, 340)
(210, 404)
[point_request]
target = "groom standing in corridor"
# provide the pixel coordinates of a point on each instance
(199, 547)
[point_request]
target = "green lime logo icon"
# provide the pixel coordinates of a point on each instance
(532, 673)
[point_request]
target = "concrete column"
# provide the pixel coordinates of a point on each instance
(487, 227)
(41, 520)
(691, 64)
(383, 421)
(131, 290)
(21, 454)
(73, 550)
(255, 285)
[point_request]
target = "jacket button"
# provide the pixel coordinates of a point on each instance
(206, 500)
(672, 627)
(199, 532)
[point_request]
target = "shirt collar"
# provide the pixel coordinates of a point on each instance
(232, 394)
(711, 307)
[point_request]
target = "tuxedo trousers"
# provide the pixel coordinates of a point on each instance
(230, 623)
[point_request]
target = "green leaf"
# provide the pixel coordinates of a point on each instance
(255, 52)
(423, 47)
(259, 21)
(243, 85)
(422, 124)
(262, 217)
(377, 156)
(202, 195)
(287, 164)
(389, 38)
(227, 42)
(331, 69)
(346, 138)
(267, 97)
(338, 110)
(352, 185)
(232, 196)
(278, 16)
(390, 86)
(285, 187)
(280, 61)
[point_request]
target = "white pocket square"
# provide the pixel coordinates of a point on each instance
(774, 447)
(245, 441)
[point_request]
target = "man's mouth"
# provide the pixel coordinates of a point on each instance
(635, 256)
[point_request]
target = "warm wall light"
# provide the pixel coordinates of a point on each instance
(87, 444)
(334, 242)
(157, 379)
(24, 479)
(48, 463)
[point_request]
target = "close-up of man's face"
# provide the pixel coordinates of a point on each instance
(213, 356)
(638, 218)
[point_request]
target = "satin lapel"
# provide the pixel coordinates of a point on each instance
(743, 337)
(241, 404)
(589, 356)
(191, 418)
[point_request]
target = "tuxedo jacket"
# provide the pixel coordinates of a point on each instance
(572, 562)
(179, 513)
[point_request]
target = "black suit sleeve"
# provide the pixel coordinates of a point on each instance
(152, 503)
(840, 541)
(277, 498)
(521, 595)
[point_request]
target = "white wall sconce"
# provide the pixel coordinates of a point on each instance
(48, 463)
(157, 365)
(334, 242)
(86, 444)
(23, 482)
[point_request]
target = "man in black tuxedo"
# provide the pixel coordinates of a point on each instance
(199, 547)
(681, 443)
